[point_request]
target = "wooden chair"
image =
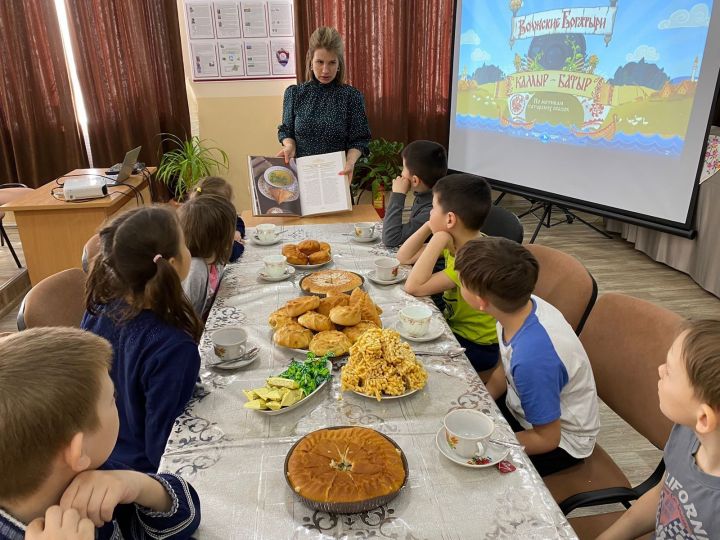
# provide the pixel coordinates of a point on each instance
(90, 251)
(501, 222)
(58, 300)
(8, 193)
(626, 340)
(564, 282)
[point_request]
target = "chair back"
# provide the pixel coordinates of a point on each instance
(565, 283)
(501, 222)
(626, 340)
(91, 249)
(58, 300)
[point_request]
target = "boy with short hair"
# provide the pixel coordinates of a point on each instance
(424, 163)
(685, 503)
(58, 425)
(461, 202)
(550, 397)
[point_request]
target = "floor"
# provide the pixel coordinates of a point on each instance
(617, 267)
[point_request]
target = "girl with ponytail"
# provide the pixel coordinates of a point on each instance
(134, 299)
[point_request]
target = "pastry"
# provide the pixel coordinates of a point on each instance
(309, 246)
(298, 306)
(293, 335)
(295, 256)
(333, 342)
(289, 248)
(331, 281)
(324, 246)
(345, 315)
(368, 311)
(280, 318)
(315, 321)
(354, 332)
(345, 465)
(331, 301)
(319, 257)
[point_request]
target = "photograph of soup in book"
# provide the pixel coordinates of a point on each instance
(306, 186)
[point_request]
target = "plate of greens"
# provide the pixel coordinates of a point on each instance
(298, 383)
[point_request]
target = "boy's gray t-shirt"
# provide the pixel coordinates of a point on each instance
(690, 498)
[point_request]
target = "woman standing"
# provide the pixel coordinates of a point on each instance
(324, 114)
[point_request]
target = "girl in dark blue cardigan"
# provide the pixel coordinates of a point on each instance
(135, 300)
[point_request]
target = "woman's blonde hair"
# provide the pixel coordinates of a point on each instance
(329, 39)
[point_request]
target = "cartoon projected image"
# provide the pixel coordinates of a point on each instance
(621, 74)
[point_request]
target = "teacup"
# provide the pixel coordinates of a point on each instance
(364, 230)
(466, 431)
(275, 265)
(386, 268)
(415, 320)
(229, 343)
(267, 232)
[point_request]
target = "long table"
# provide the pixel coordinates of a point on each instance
(234, 456)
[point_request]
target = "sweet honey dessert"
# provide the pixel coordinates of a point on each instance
(331, 281)
(345, 465)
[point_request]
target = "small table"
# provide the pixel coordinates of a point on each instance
(360, 213)
(53, 232)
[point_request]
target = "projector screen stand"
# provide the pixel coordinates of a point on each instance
(545, 220)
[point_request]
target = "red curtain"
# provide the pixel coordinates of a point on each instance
(39, 136)
(398, 53)
(129, 61)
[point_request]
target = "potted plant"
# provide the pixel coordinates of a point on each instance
(189, 160)
(377, 170)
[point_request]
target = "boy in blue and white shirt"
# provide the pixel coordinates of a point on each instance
(546, 379)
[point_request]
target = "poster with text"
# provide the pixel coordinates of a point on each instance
(257, 58)
(231, 58)
(227, 20)
(205, 62)
(200, 20)
(282, 55)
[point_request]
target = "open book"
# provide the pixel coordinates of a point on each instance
(307, 186)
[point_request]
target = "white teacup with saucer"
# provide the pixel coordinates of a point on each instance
(466, 432)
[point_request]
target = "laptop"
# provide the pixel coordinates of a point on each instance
(126, 168)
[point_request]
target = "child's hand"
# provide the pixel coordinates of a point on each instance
(401, 185)
(238, 238)
(441, 238)
(59, 525)
(95, 494)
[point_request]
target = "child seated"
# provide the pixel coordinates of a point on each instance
(685, 503)
(424, 163)
(550, 397)
(214, 185)
(208, 223)
(461, 202)
(58, 425)
(134, 299)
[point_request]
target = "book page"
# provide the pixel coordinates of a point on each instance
(274, 186)
(322, 189)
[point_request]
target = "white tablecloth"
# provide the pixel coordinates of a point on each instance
(234, 456)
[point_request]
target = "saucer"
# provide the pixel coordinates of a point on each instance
(493, 454)
(289, 272)
(402, 276)
(436, 329)
(232, 364)
(362, 240)
(256, 240)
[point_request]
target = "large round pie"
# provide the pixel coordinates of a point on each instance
(345, 465)
(331, 281)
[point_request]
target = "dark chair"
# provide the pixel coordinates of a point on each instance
(8, 193)
(58, 300)
(564, 282)
(626, 340)
(501, 222)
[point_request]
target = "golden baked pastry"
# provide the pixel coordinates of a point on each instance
(331, 341)
(345, 315)
(354, 332)
(298, 306)
(331, 281)
(280, 318)
(331, 301)
(293, 335)
(315, 321)
(296, 257)
(289, 248)
(368, 310)
(345, 465)
(309, 246)
(324, 246)
(319, 257)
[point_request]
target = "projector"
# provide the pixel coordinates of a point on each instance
(75, 189)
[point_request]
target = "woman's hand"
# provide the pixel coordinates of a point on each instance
(348, 170)
(288, 150)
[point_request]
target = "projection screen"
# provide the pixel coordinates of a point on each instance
(602, 104)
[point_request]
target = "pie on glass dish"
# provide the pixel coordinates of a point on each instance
(331, 281)
(346, 469)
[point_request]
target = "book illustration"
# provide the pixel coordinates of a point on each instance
(277, 184)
